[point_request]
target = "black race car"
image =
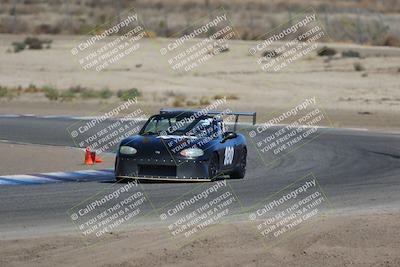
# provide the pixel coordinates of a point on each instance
(184, 145)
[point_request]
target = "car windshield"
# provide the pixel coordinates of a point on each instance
(160, 125)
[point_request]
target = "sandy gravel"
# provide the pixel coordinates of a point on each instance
(335, 240)
(23, 159)
(364, 99)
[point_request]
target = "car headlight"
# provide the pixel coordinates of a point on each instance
(128, 150)
(192, 152)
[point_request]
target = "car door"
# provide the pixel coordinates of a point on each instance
(228, 154)
(226, 150)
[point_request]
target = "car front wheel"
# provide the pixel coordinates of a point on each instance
(213, 166)
(240, 170)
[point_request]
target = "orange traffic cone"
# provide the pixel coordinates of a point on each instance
(97, 159)
(88, 157)
(93, 156)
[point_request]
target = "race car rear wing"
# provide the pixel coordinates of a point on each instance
(214, 112)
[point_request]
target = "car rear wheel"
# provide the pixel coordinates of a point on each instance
(213, 166)
(240, 170)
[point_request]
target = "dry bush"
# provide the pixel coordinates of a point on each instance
(391, 40)
(326, 51)
(125, 95)
(358, 66)
(249, 33)
(51, 92)
(361, 28)
(191, 103)
(204, 101)
(252, 18)
(67, 95)
(3, 91)
(32, 89)
(270, 54)
(151, 34)
(8, 25)
(350, 53)
(218, 96)
(170, 93)
(179, 100)
(232, 97)
(178, 103)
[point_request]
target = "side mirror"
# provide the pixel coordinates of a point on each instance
(227, 136)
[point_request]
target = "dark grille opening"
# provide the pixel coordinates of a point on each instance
(157, 170)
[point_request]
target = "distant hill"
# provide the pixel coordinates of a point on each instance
(375, 22)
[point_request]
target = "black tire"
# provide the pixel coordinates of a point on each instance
(117, 179)
(213, 166)
(240, 170)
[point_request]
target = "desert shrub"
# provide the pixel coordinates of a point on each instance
(216, 97)
(151, 34)
(89, 93)
(105, 93)
(191, 103)
(232, 97)
(178, 103)
(326, 51)
(46, 28)
(243, 34)
(358, 66)
(270, 54)
(228, 97)
(3, 91)
(18, 46)
(33, 43)
(204, 101)
(361, 29)
(350, 53)
(391, 40)
(18, 90)
(84, 28)
(8, 25)
(36, 43)
(170, 93)
(51, 93)
(32, 89)
(221, 49)
(77, 89)
(67, 95)
(179, 100)
(125, 95)
(249, 33)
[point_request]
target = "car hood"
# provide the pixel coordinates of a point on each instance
(162, 143)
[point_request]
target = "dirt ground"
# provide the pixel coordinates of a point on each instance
(24, 159)
(363, 99)
(335, 240)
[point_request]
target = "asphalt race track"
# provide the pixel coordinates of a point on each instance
(356, 169)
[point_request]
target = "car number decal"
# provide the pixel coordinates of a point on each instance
(229, 152)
